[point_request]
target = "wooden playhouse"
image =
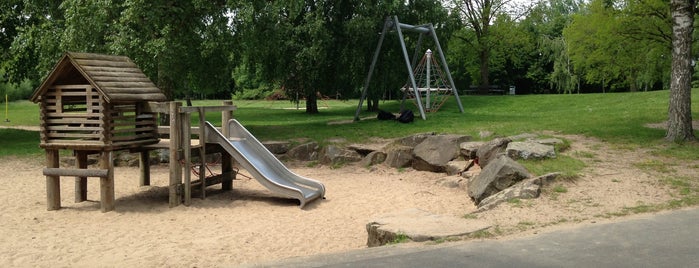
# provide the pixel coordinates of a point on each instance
(93, 104)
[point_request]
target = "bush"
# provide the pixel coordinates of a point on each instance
(15, 92)
(252, 94)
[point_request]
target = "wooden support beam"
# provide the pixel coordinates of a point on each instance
(53, 184)
(144, 166)
(175, 148)
(107, 182)
(202, 151)
(81, 181)
(76, 172)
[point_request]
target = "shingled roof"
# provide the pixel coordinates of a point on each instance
(117, 78)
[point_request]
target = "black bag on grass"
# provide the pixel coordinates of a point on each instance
(383, 115)
(406, 116)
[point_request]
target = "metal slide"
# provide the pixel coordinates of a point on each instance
(263, 165)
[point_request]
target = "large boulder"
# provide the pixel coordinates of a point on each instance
(529, 150)
(526, 189)
(332, 154)
(490, 150)
(469, 149)
(418, 225)
(433, 153)
(399, 156)
(304, 152)
(373, 158)
(500, 174)
(455, 167)
(412, 140)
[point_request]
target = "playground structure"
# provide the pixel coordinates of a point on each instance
(96, 104)
(391, 24)
(431, 84)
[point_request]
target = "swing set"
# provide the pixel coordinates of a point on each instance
(434, 96)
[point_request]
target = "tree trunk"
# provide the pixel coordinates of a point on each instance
(311, 103)
(483, 56)
(679, 125)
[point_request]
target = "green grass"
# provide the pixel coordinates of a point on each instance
(618, 118)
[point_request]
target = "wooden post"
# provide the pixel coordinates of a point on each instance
(187, 148)
(80, 182)
(144, 166)
(225, 116)
(53, 184)
(202, 151)
(175, 147)
(226, 159)
(107, 183)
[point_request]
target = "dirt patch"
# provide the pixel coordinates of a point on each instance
(251, 224)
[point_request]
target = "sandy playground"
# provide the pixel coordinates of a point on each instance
(251, 225)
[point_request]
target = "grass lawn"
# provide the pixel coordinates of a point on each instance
(618, 118)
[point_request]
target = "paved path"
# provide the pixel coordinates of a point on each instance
(668, 239)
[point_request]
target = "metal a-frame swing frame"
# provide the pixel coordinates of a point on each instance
(426, 29)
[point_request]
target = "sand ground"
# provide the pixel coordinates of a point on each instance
(251, 224)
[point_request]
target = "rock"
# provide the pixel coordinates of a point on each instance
(373, 158)
(399, 156)
(413, 140)
(332, 154)
(523, 136)
(549, 141)
(526, 189)
(418, 225)
(277, 147)
(304, 152)
(436, 151)
(456, 167)
(472, 172)
(502, 173)
(469, 149)
(529, 150)
(124, 159)
(365, 149)
(490, 150)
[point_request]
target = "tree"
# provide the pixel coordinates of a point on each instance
(680, 110)
(478, 15)
(321, 47)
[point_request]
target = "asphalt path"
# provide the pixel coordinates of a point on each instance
(666, 239)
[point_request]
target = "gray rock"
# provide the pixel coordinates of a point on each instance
(277, 147)
(436, 151)
(490, 150)
(502, 173)
(455, 167)
(418, 225)
(549, 141)
(304, 152)
(413, 140)
(332, 154)
(529, 150)
(373, 158)
(399, 156)
(365, 149)
(523, 136)
(526, 189)
(469, 149)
